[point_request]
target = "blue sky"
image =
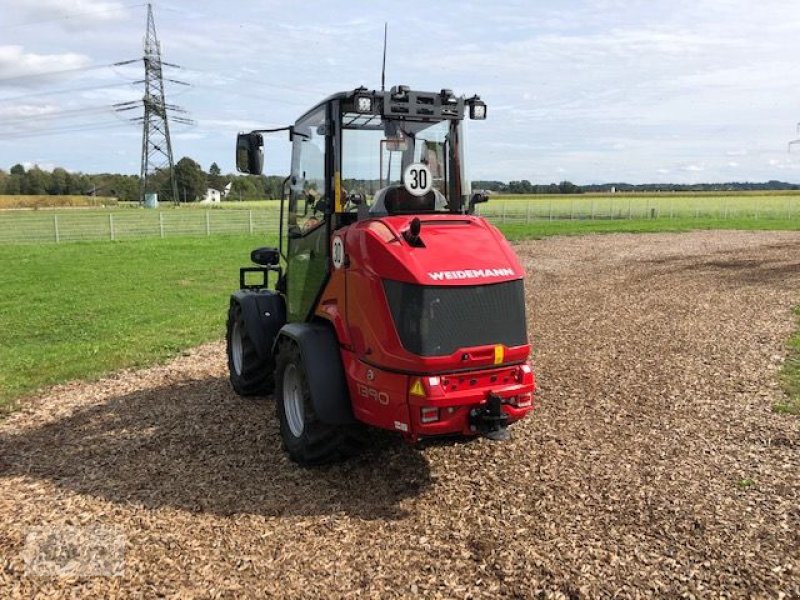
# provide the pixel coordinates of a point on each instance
(585, 91)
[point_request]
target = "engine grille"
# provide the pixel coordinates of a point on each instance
(438, 320)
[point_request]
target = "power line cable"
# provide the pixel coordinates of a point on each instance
(70, 70)
(87, 88)
(58, 114)
(68, 16)
(54, 131)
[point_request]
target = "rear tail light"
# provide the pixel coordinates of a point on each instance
(429, 414)
(522, 401)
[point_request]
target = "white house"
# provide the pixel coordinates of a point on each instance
(212, 197)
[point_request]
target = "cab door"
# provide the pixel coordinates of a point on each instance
(307, 227)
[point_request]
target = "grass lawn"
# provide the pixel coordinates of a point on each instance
(540, 229)
(79, 310)
(791, 375)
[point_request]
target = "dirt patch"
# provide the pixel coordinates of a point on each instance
(654, 465)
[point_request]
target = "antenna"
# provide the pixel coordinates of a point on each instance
(383, 70)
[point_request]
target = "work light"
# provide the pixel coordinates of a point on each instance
(477, 108)
(363, 103)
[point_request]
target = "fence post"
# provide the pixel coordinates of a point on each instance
(592, 209)
(671, 206)
(571, 209)
(208, 223)
(629, 208)
(111, 226)
(55, 228)
(250, 216)
(550, 207)
(503, 219)
(528, 211)
(161, 224)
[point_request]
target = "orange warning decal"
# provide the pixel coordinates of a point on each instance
(416, 388)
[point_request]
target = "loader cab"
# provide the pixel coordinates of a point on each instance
(359, 155)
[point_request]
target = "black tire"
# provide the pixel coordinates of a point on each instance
(315, 442)
(250, 375)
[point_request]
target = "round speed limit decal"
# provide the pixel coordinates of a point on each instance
(417, 179)
(337, 252)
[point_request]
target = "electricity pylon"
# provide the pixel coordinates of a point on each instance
(156, 143)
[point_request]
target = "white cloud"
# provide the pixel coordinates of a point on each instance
(16, 64)
(23, 111)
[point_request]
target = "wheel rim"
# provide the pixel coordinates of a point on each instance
(293, 401)
(236, 347)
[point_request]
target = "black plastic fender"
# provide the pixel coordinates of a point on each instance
(322, 358)
(264, 313)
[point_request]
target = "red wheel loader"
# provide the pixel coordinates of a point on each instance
(392, 305)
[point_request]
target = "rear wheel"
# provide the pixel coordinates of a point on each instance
(250, 375)
(306, 438)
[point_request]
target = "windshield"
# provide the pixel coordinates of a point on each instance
(381, 157)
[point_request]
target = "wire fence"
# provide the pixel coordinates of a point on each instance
(622, 206)
(84, 225)
(45, 226)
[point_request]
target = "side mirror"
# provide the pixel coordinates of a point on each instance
(477, 198)
(250, 153)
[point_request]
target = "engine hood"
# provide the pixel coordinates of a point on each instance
(454, 250)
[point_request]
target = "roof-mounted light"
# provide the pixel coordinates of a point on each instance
(362, 100)
(477, 108)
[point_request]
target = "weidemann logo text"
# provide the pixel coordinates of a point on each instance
(470, 274)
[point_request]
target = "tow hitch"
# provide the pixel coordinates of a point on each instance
(490, 420)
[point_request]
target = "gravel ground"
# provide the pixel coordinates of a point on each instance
(653, 466)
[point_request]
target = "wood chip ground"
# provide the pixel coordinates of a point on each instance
(653, 467)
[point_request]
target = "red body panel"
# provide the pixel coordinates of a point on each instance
(459, 250)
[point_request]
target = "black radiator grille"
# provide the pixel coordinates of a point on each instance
(438, 320)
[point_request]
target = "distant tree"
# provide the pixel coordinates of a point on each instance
(567, 187)
(17, 169)
(58, 182)
(272, 186)
(191, 180)
(245, 188)
(520, 187)
(215, 179)
(34, 182)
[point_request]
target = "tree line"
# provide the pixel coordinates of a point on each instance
(192, 182)
(567, 187)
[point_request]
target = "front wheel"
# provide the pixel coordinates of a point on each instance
(250, 375)
(306, 438)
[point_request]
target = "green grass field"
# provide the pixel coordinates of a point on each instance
(791, 374)
(80, 310)
(539, 229)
